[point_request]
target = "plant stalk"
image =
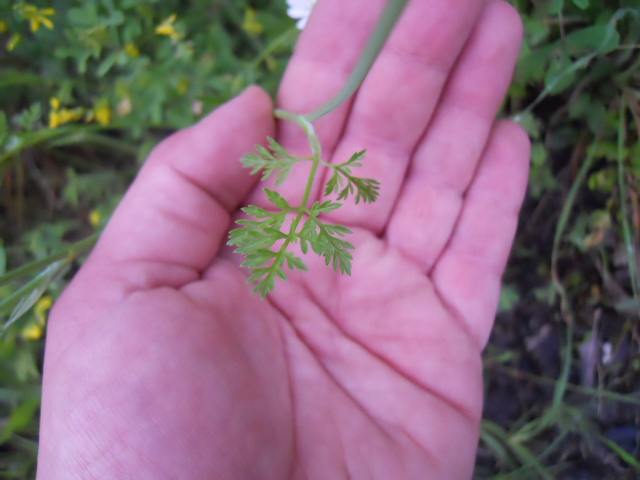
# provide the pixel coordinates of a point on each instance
(388, 19)
(316, 149)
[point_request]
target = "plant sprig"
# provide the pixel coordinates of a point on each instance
(344, 183)
(266, 241)
(275, 160)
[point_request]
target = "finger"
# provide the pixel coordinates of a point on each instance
(467, 275)
(397, 99)
(324, 57)
(175, 216)
(447, 157)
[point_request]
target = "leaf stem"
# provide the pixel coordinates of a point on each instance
(305, 124)
(316, 149)
(388, 19)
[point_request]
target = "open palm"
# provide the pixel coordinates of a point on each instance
(160, 362)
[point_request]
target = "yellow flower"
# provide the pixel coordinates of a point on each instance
(64, 115)
(168, 28)
(36, 16)
(42, 307)
(59, 116)
(250, 24)
(13, 41)
(3, 26)
(95, 217)
(183, 86)
(34, 331)
(102, 113)
(271, 63)
(131, 50)
(54, 119)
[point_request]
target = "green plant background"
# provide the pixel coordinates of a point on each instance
(562, 370)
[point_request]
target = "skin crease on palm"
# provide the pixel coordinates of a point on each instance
(161, 364)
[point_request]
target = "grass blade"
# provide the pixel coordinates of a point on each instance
(25, 297)
(624, 196)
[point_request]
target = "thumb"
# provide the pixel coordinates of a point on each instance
(175, 216)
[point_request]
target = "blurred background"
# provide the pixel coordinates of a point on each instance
(88, 87)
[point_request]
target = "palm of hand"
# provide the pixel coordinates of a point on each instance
(185, 374)
(376, 381)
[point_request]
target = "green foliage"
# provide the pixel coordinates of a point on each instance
(574, 265)
(82, 103)
(140, 63)
(279, 162)
(86, 89)
(264, 243)
(344, 183)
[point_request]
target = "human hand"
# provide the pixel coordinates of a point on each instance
(160, 363)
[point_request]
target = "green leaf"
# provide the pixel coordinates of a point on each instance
(26, 297)
(264, 153)
(255, 162)
(250, 240)
(277, 199)
(368, 189)
(21, 417)
(3, 259)
(4, 128)
(339, 229)
(532, 65)
(279, 164)
(279, 151)
(591, 110)
(265, 286)
(509, 298)
(255, 238)
(29, 117)
(257, 274)
(601, 38)
(560, 74)
(344, 183)
(256, 212)
(294, 262)
(108, 63)
(86, 16)
(258, 258)
(354, 161)
(581, 4)
(536, 31)
(325, 207)
(555, 7)
(324, 242)
(334, 183)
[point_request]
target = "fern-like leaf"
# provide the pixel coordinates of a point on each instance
(344, 183)
(275, 160)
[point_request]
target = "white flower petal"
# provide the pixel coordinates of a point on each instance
(300, 10)
(297, 13)
(305, 4)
